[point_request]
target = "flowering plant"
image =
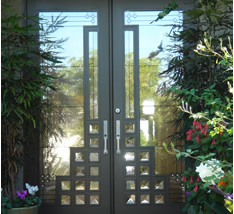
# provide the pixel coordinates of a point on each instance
(209, 147)
(25, 198)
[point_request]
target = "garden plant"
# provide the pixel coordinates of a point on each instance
(202, 83)
(27, 58)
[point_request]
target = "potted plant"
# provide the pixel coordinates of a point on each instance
(26, 202)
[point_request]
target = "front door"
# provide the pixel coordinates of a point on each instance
(102, 152)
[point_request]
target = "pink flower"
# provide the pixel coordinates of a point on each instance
(189, 134)
(213, 142)
(196, 188)
(197, 138)
(195, 122)
(183, 179)
(198, 179)
(191, 180)
(204, 130)
(199, 126)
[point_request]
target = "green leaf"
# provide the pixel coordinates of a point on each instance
(217, 208)
(205, 147)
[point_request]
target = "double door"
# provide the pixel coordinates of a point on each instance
(103, 151)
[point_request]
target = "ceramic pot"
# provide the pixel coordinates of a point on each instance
(23, 210)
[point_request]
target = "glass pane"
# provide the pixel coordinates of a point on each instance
(65, 121)
(94, 185)
(129, 75)
(80, 171)
(157, 110)
(159, 199)
(129, 156)
(93, 74)
(130, 170)
(159, 184)
(65, 185)
(94, 171)
(93, 128)
(130, 141)
(144, 156)
(79, 156)
(129, 127)
(94, 157)
(144, 184)
(144, 170)
(65, 200)
(80, 185)
(131, 184)
(94, 142)
(94, 199)
(145, 199)
(130, 199)
(80, 199)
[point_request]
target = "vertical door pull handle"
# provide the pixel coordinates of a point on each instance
(105, 136)
(118, 151)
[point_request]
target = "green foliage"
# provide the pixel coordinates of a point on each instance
(203, 79)
(171, 6)
(25, 84)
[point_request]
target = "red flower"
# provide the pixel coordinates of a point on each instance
(195, 122)
(189, 134)
(196, 188)
(183, 179)
(198, 179)
(204, 130)
(197, 138)
(199, 126)
(191, 180)
(220, 133)
(213, 142)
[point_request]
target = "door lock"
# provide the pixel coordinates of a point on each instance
(117, 110)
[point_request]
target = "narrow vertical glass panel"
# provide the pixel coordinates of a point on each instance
(93, 142)
(159, 199)
(144, 199)
(129, 127)
(129, 156)
(129, 141)
(130, 184)
(79, 156)
(144, 184)
(157, 110)
(94, 171)
(94, 199)
(80, 171)
(93, 128)
(130, 199)
(65, 185)
(129, 74)
(80, 199)
(65, 199)
(80, 185)
(144, 156)
(94, 157)
(159, 184)
(144, 170)
(93, 74)
(94, 185)
(130, 170)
